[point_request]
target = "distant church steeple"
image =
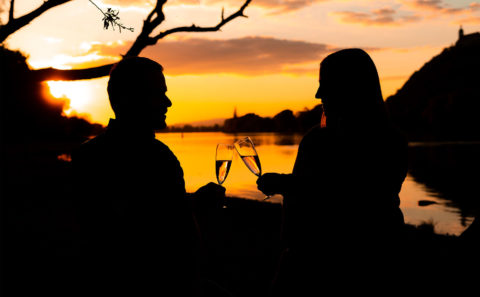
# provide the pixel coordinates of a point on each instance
(460, 33)
(235, 112)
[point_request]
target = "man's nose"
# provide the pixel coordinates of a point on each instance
(168, 101)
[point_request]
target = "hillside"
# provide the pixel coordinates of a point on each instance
(441, 101)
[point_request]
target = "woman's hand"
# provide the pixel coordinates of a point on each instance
(273, 183)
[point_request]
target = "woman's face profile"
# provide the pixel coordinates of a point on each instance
(323, 92)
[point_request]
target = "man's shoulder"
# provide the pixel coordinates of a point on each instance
(90, 146)
(159, 145)
(163, 149)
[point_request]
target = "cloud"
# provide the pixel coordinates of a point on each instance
(467, 14)
(426, 4)
(379, 17)
(123, 6)
(468, 21)
(439, 6)
(474, 6)
(246, 56)
(275, 6)
(126, 2)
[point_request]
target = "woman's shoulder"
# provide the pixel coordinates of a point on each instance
(397, 138)
(314, 135)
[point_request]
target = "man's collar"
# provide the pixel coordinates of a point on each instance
(117, 127)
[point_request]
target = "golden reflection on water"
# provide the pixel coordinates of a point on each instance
(196, 153)
(277, 153)
(444, 218)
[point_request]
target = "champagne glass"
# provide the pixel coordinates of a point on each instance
(246, 150)
(223, 161)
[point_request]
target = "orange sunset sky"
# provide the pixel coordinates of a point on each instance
(264, 63)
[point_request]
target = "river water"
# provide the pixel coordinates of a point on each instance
(438, 172)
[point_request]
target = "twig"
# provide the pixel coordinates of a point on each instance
(111, 18)
(97, 7)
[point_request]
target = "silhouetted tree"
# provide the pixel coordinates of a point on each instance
(144, 39)
(248, 123)
(309, 118)
(285, 121)
(28, 112)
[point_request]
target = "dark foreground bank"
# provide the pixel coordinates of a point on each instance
(242, 243)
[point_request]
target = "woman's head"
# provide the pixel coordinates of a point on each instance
(349, 86)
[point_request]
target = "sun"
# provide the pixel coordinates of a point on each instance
(79, 94)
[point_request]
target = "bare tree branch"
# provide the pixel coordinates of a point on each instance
(149, 25)
(10, 12)
(153, 20)
(14, 25)
(194, 28)
(71, 74)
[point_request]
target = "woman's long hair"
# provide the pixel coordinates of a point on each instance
(349, 80)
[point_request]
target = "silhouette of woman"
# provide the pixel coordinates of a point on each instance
(341, 203)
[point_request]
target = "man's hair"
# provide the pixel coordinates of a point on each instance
(127, 79)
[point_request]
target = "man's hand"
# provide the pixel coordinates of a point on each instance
(210, 196)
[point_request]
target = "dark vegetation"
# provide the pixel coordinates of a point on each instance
(284, 122)
(191, 128)
(441, 100)
(28, 113)
(35, 213)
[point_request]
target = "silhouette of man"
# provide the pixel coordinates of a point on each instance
(139, 231)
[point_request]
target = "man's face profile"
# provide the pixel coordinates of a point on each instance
(137, 91)
(156, 100)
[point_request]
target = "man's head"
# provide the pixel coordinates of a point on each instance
(137, 92)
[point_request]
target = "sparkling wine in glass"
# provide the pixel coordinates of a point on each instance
(246, 150)
(223, 161)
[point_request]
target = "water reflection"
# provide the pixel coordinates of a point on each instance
(265, 139)
(196, 153)
(450, 171)
(444, 173)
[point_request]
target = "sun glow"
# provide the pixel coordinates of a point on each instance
(78, 93)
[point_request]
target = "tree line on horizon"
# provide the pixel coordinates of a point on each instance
(285, 121)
